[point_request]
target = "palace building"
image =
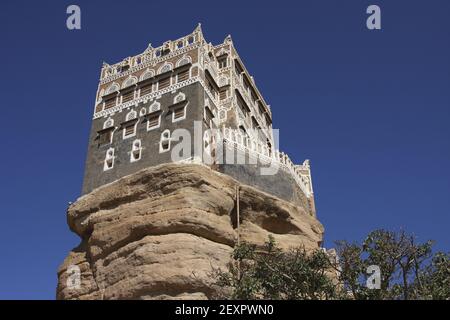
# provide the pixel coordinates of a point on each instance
(188, 84)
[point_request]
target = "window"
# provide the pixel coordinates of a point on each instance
(112, 88)
(164, 143)
(146, 89)
(191, 40)
(183, 75)
(153, 122)
(128, 96)
(180, 44)
(260, 108)
(165, 68)
(180, 97)
(238, 68)
(109, 160)
(255, 124)
(129, 131)
(147, 74)
(222, 62)
(223, 94)
(242, 105)
(163, 83)
(105, 137)
(111, 102)
(129, 82)
(131, 115)
(136, 151)
(108, 123)
(208, 116)
(179, 114)
(155, 106)
(183, 61)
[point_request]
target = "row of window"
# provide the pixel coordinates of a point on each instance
(136, 150)
(153, 120)
(144, 89)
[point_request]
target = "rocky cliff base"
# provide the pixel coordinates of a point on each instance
(158, 233)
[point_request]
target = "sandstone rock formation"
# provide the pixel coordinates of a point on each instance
(157, 234)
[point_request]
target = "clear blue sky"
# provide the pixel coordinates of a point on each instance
(371, 109)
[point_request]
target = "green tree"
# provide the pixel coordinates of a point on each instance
(408, 270)
(270, 273)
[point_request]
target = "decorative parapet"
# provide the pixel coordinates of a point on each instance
(151, 56)
(300, 173)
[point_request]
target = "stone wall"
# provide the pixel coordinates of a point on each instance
(94, 176)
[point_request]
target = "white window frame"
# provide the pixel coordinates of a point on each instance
(180, 94)
(156, 126)
(189, 76)
(181, 118)
(109, 158)
(124, 136)
(163, 139)
(136, 149)
(105, 124)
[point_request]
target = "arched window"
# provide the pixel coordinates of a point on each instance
(183, 61)
(164, 143)
(155, 106)
(180, 97)
(147, 74)
(129, 129)
(179, 44)
(109, 159)
(136, 151)
(108, 123)
(129, 82)
(131, 115)
(112, 88)
(165, 68)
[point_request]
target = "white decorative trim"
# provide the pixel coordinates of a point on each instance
(136, 149)
(131, 115)
(101, 94)
(147, 74)
(108, 123)
(263, 153)
(181, 118)
(112, 88)
(155, 126)
(166, 67)
(223, 81)
(109, 160)
(165, 137)
(186, 59)
(153, 95)
(180, 97)
(149, 63)
(131, 80)
(155, 106)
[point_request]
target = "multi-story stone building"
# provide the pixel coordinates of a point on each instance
(193, 85)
